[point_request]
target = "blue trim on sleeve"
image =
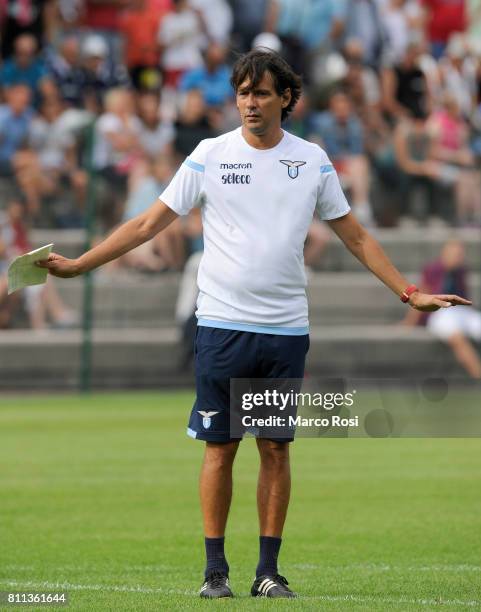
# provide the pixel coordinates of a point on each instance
(191, 433)
(327, 168)
(258, 329)
(194, 165)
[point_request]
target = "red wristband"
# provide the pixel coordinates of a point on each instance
(406, 294)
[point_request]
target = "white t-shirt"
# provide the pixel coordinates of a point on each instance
(182, 36)
(104, 153)
(256, 206)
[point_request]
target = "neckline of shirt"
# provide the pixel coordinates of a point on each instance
(277, 147)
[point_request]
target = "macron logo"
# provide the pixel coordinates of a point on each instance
(239, 166)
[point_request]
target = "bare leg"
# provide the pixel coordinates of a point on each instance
(317, 241)
(216, 486)
(466, 354)
(359, 176)
(274, 486)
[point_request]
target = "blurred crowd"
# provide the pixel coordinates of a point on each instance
(107, 97)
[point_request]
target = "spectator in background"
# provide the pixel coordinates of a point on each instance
(455, 326)
(15, 118)
(286, 18)
(404, 86)
(323, 25)
(28, 68)
(180, 38)
(100, 73)
(117, 148)
(400, 19)
(458, 74)
(474, 21)
(139, 25)
(363, 21)
(156, 135)
(420, 174)
(249, 21)
(216, 17)
(167, 249)
(103, 18)
(443, 18)
(361, 82)
(452, 151)
(212, 79)
(65, 68)
(340, 133)
(17, 17)
(55, 158)
(42, 302)
(195, 123)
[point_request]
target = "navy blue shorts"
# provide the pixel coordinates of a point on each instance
(222, 354)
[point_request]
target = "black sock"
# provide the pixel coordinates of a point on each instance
(216, 561)
(269, 551)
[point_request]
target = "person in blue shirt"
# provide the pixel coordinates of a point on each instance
(15, 118)
(341, 134)
(25, 67)
(213, 79)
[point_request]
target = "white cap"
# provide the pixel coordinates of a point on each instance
(95, 46)
(268, 41)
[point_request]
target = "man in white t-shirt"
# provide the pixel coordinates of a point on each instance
(258, 188)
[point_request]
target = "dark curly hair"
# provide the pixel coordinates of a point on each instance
(254, 64)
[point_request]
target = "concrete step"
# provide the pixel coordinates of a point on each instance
(409, 248)
(141, 358)
(133, 300)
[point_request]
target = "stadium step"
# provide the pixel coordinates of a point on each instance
(409, 249)
(148, 358)
(134, 300)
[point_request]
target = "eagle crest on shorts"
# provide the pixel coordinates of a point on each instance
(292, 167)
(207, 417)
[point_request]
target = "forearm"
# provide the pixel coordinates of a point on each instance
(370, 253)
(127, 237)
(123, 239)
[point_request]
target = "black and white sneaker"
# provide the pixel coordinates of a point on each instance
(216, 585)
(271, 586)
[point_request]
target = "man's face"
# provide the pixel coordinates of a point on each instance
(25, 49)
(261, 107)
(18, 98)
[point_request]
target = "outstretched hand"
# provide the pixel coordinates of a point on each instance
(59, 266)
(429, 303)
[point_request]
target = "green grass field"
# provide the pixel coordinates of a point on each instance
(99, 498)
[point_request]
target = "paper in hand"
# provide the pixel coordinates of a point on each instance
(23, 272)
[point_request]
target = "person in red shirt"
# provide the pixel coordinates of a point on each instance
(139, 25)
(443, 17)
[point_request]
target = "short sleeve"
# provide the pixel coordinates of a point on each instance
(183, 191)
(331, 201)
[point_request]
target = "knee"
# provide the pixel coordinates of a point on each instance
(220, 456)
(274, 453)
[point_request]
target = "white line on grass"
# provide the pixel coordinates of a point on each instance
(375, 567)
(146, 590)
(383, 567)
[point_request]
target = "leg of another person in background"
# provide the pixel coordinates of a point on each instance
(36, 306)
(59, 313)
(468, 197)
(317, 240)
(33, 181)
(466, 354)
(144, 258)
(359, 175)
(170, 245)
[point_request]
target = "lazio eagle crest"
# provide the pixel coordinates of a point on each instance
(207, 417)
(292, 167)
